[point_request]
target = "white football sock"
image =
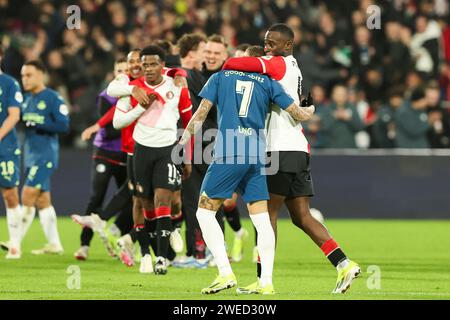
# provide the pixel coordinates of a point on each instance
(48, 222)
(214, 239)
(14, 219)
(28, 214)
(266, 245)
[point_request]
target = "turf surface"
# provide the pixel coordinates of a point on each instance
(412, 256)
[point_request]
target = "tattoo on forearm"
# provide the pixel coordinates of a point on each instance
(301, 113)
(197, 120)
(199, 116)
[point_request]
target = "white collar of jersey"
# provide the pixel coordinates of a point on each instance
(158, 85)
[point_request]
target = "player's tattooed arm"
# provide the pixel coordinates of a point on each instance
(300, 113)
(196, 121)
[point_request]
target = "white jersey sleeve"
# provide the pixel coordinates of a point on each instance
(283, 132)
(124, 114)
(119, 87)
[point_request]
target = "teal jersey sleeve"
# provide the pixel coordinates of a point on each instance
(210, 90)
(15, 98)
(279, 95)
(58, 120)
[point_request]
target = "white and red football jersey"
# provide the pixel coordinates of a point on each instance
(283, 132)
(157, 126)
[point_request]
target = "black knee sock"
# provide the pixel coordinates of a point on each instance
(171, 254)
(220, 219)
(133, 235)
(163, 230)
(150, 228)
(86, 236)
(143, 239)
(258, 263)
(233, 218)
(199, 245)
(177, 220)
(124, 220)
(120, 199)
(333, 252)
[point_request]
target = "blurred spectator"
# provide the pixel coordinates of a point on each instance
(340, 121)
(332, 45)
(396, 59)
(384, 130)
(425, 45)
(411, 122)
(438, 118)
(312, 128)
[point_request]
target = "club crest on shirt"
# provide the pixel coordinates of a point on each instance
(170, 95)
(41, 105)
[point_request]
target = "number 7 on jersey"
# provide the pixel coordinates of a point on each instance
(246, 89)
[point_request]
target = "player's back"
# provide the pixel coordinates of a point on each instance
(243, 101)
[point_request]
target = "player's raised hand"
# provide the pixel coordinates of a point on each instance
(88, 132)
(308, 101)
(180, 81)
(152, 97)
(141, 96)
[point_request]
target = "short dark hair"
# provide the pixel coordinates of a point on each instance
(284, 29)
(243, 47)
(165, 44)
(38, 64)
(189, 42)
(153, 50)
(255, 51)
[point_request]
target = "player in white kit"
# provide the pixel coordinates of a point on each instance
(286, 142)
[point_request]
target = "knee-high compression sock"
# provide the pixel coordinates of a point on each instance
(214, 239)
(143, 239)
(266, 246)
(199, 245)
(177, 220)
(120, 199)
(86, 236)
(150, 228)
(221, 219)
(28, 214)
(124, 220)
(234, 220)
(163, 230)
(14, 219)
(48, 222)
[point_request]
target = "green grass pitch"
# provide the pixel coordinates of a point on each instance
(412, 256)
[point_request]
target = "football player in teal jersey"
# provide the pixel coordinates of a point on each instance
(10, 101)
(45, 115)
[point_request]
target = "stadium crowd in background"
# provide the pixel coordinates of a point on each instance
(380, 88)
